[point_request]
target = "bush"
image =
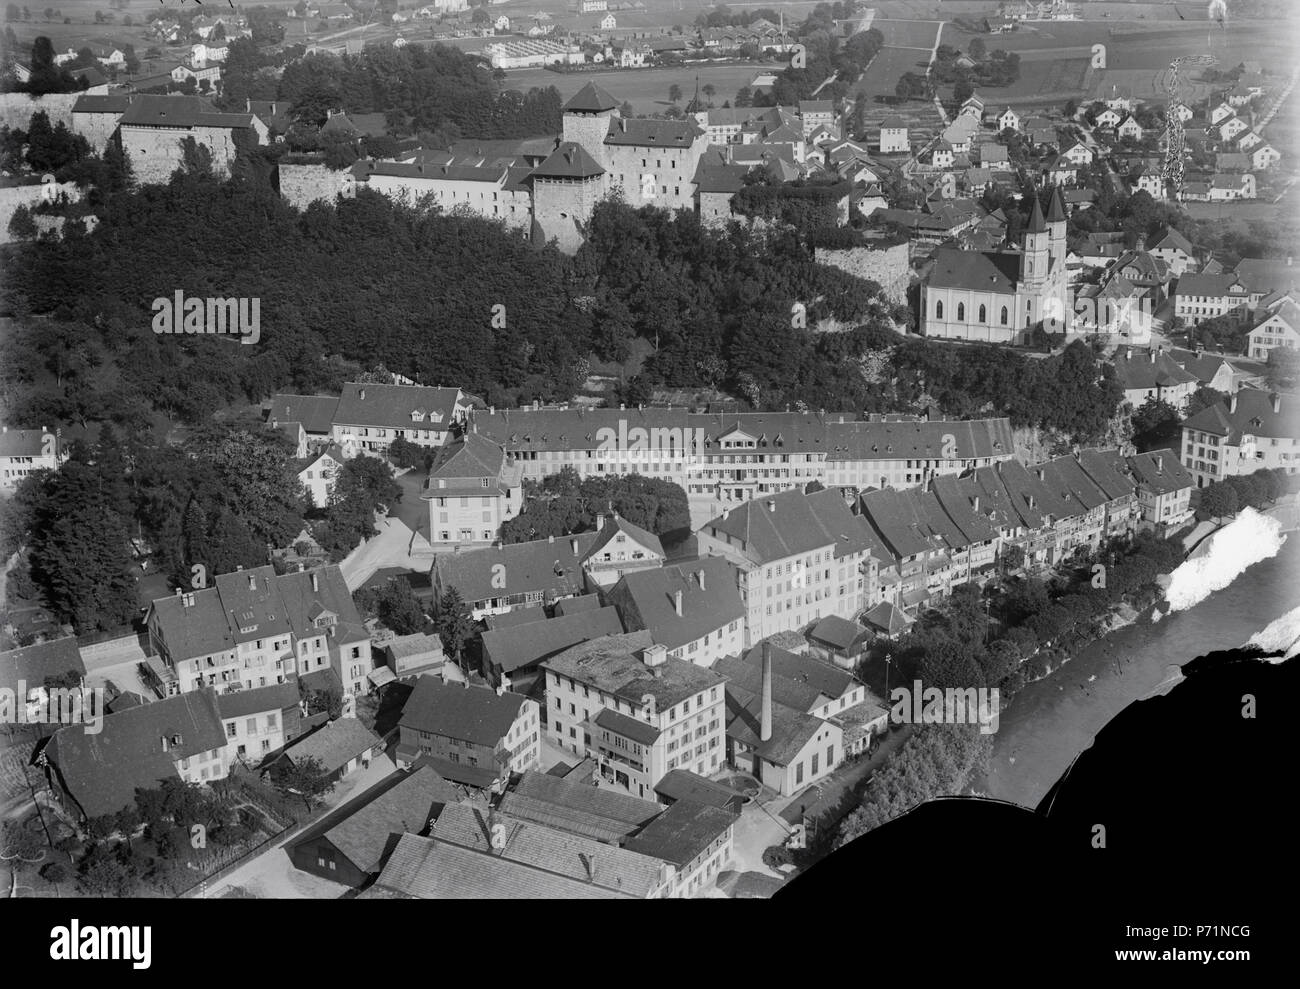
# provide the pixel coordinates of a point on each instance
(776, 856)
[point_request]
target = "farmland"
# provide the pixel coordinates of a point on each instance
(645, 89)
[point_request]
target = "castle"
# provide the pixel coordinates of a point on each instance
(999, 296)
(651, 162)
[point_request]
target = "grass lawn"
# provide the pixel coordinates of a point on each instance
(646, 89)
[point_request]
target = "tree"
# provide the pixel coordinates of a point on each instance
(744, 97)
(1219, 501)
(674, 93)
(977, 49)
(963, 89)
(910, 86)
(455, 626)
(304, 777)
(710, 91)
(1203, 398)
(1282, 372)
(1155, 425)
(22, 225)
(480, 16)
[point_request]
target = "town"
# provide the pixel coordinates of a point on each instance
(539, 450)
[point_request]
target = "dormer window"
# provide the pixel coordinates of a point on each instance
(417, 415)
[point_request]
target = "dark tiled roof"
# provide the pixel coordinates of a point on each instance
(791, 728)
(510, 649)
(682, 784)
(710, 600)
(621, 724)
(682, 832)
(1159, 472)
(113, 103)
(517, 617)
(790, 523)
(569, 161)
(315, 412)
(242, 703)
(530, 566)
(838, 632)
(180, 111)
(984, 271)
(32, 664)
(461, 711)
(591, 99)
(576, 605)
(393, 405)
(652, 133)
(334, 745)
(102, 771)
(1253, 414)
(1140, 372)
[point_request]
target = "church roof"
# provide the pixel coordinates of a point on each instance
(984, 271)
(1036, 222)
(1056, 209)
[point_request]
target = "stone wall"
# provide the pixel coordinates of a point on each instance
(887, 266)
(155, 152)
(97, 128)
(30, 195)
(16, 109)
(302, 185)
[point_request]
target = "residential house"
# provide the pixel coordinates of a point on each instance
(839, 640)
(1251, 431)
(501, 578)
(315, 413)
(1131, 129)
(496, 730)
(318, 471)
(1200, 297)
(25, 451)
(693, 610)
(512, 655)
(339, 748)
(1164, 488)
(1279, 328)
(621, 548)
(893, 136)
(473, 488)
(1153, 375)
(258, 722)
(370, 416)
(1176, 251)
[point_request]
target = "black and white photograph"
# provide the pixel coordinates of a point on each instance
(843, 456)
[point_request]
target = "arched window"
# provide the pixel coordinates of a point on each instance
(1004, 315)
(938, 309)
(983, 315)
(961, 312)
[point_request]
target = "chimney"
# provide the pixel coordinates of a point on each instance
(589, 863)
(1276, 399)
(699, 575)
(164, 743)
(363, 394)
(573, 545)
(975, 503)
(1232, 404)
(1030, 499)
(1160, 465)
(252, 582)
(315, 583)
(765, 722)
(1151, 356)
(1128, 353)
(677, 602)
(1042, 474)
(654, 655)
(771, 506)
(600, 521)
(550, 539)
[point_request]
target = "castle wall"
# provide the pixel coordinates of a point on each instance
(155, 152)
(888, 267)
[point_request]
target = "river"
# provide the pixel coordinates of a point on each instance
(1050, 722)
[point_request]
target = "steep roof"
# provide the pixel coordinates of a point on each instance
(102, 771)
(590, 99)
(30, 665)
(315, 412)
(782, 525)
(792, 728)
(257, 700)
(1036, 225)
(334, 745)
(511, 649)
(179, 111)
(406, 808)
(578, 807)
(710, 599)
(981, 271)
(368, 404)
(1159, 472)
(1172, 240)
(615, 526)
(568, 161)
(461, 711)
(652, 132)
(1139, 372)
(530, 566)
(1252, 414)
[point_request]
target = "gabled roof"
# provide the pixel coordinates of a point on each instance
(544, 565)
(368, 404)
(791, 523)
(682, 784)
(570, 160)
(1138, 372)
(614, 665)
(315, 412)
(887, 618)
(406, 808)
(615, 526)
(1253, 414)
(510, 649)
(23, 442)
(710, 600)
(561, 852)
(334, 745)
(257, 700)
(983, 271)
(179, 111)
(30, 665)
(461, 711)
(653, 133)
(792, 728)
(838, 632)
(427, 869)
(682, 832)
(1159, 472)
(102, 771)
(579, 808)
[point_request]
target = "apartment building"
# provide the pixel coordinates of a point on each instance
(1164, 489)
(1251, 431)
(621, 548)
(256, 629)
(800, 557)
(369, 417)
(25, 451)
(693, 610)
(258, 722)
(624, 702)
(1279, 327)
(498, 579)
(472, 489)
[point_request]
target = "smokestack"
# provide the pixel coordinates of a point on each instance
(765, 723)
(677, 602)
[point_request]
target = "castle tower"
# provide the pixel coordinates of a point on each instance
(587, 118)
(1056, 228)
(566, 188)
(1035, 261)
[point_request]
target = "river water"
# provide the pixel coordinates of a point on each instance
(1050, 722)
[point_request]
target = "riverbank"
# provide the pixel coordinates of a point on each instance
(1052, 720)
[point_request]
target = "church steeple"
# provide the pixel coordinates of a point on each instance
(1035, 260)
(1056, 208)
(1036, 223)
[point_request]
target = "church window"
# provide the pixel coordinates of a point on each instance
(983, 314)
(1004, 315)
(961, 311)
(938, 309)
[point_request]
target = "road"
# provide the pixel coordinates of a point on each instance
(934, 53)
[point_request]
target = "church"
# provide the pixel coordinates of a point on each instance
(651, 162)
(1000, 296)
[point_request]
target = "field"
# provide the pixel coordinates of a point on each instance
(907, 34)
(646, 89)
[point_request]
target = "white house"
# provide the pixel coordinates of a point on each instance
(1264, 157)
(1130, 128)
